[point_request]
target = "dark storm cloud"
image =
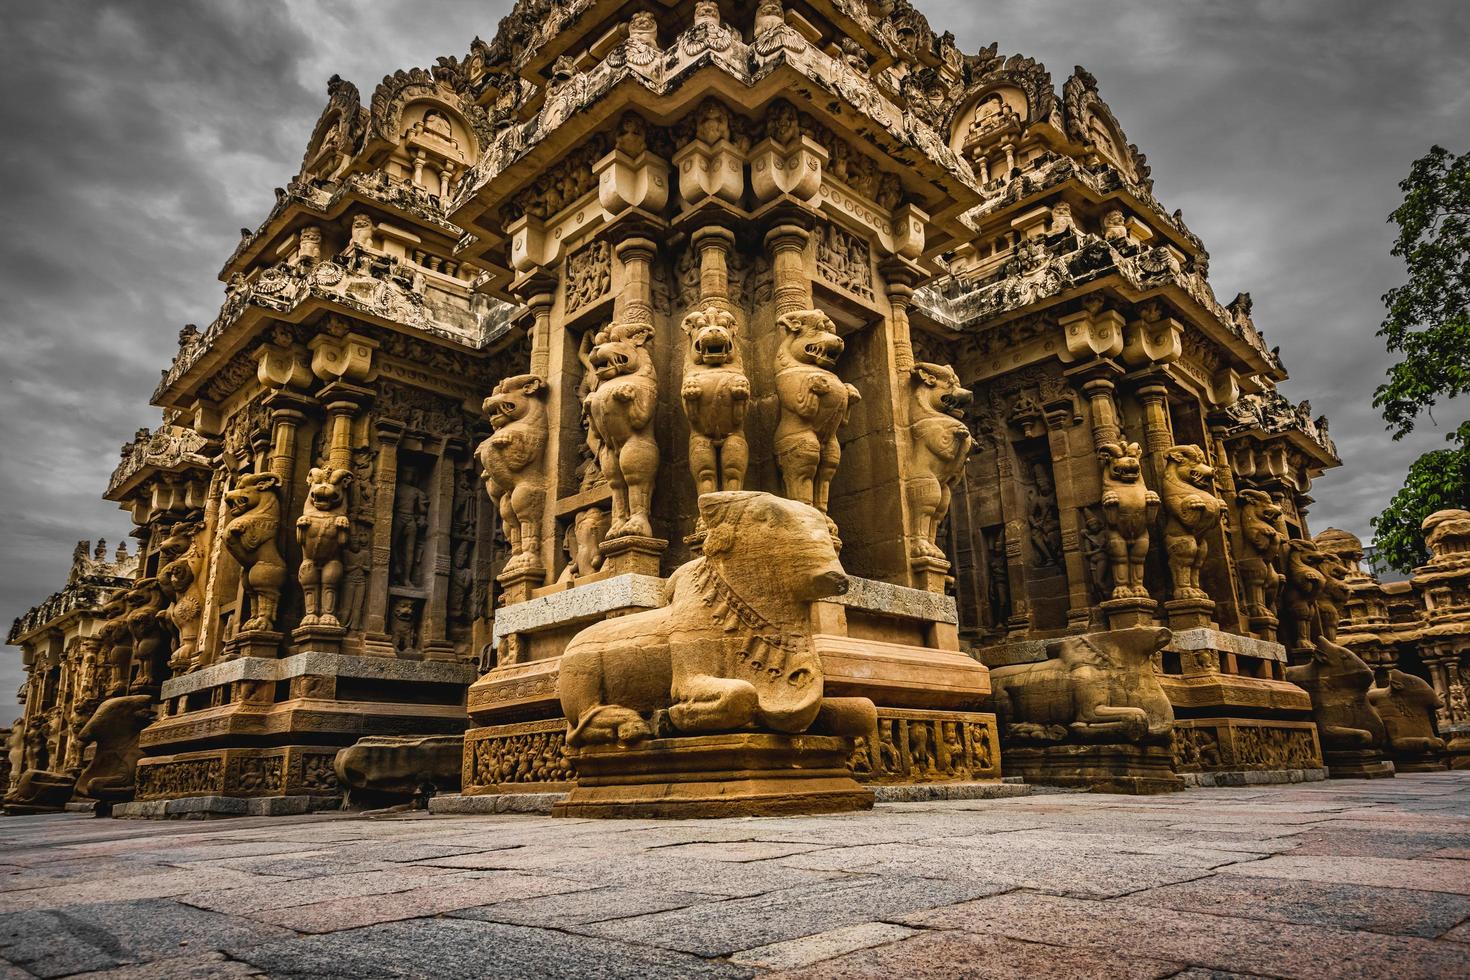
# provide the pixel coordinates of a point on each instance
(141, 136)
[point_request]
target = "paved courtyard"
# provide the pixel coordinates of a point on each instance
(1340, 879)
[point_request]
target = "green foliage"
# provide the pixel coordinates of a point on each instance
(1438, 480)
(1428, 327)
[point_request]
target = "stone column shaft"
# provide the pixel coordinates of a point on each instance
(793, 287)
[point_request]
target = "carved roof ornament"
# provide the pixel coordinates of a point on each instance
(338, 134)
(1091, 122)
(1447, 536)
(93, 579)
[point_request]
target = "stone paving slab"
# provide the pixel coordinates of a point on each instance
(1336, 879)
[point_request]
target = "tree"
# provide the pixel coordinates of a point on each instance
(1428, 327)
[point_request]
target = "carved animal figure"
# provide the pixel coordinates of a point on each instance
(150, 642)
(1338, 683)
(1128, 507)
(1263, 531)
(1305, 581)
(114, 727)
(939, 444)
(814, 405)
(181, 574)
(583, 543)
(1097, 687)
(322, 531)
(1408, 705)
(254, 509)
(1192, 510)
(512, 461)
(1334, 595)
(621, 408)
(732, 648)
(716, 394)
(768, 16)
(117, 644)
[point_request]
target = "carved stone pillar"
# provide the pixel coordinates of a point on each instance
(378, 642)
(540, 300)
(793, 287)
(634, 303)
(434, 625)
(713, 244)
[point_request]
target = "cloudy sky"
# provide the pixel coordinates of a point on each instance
(140, 137)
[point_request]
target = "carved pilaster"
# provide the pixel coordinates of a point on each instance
(793, 287)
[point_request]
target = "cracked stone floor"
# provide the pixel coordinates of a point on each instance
(1339, 879)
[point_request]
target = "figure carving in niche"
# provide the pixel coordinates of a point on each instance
(150, 643)
(512, 461)
(716, 394)
(403, 626)
(181, 574)
(322, 531)
(1128, 507)
(1115, 226)
(1192, 511)
(997, 578)
(1042, 517)
(784, 123)
(410, 525)
(254, 508)
(814, 405)
(1408, 706)
(939, 443)
(733, 647)
(632, 137)
(1095, 537)
(1263, 530)
(921, 748)
(462, 581)
(621, 409)
(466, 499)
(583, 543)
(355, 561)
(1097, 687)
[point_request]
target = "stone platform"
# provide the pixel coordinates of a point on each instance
(1313, 880)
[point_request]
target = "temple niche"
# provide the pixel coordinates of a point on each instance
(552, 355)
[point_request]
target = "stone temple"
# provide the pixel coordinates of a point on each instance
(703, 408)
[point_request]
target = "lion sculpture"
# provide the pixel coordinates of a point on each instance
(716, 393)
(1408, 706)
(322, 531)
(181, 574)
(254, 520)
(512, 459)
(731, 650)
(939, 444)
(1333, 598)
(1305, 581)
(814, 405)
(117, 644)
(1338, 681)
(1263, 530)
(1192, 510)
(1096, 687)
(114, 727)
(145, 619)
(1128, 507)
(621, 406)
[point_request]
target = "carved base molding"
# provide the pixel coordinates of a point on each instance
(738, 775)
(288, 770)
(1118, 768)
(1358, 764)
(929, 747)
(529, 757)
(1244, 744)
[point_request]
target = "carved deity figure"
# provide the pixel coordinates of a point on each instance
(1192, 510)
(512, 458)
(254, 520)
(1096, 687)
(322, 531)
(1263, 531)
(1128, 507)
(939, 445)
(1042, 517)
(355, 561)
(145, 620)
(621, 409)
(733, 647)
(814, 405)
(410, 526)
(1338, 683)
(1408, 706)
(583, 543)
(181, 560)
(716, 394)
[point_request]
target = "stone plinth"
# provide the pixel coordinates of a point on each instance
(292, 770)
(738, 775)
(930, 747)
(1109, 768)
(1226, 745)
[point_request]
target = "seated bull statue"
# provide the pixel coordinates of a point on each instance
(114, 727)
(1338, 683)
(1408, 705)
(1097, 687)
(40, 791)
(731, 650)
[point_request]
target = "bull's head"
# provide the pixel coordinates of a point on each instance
(778, 546)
